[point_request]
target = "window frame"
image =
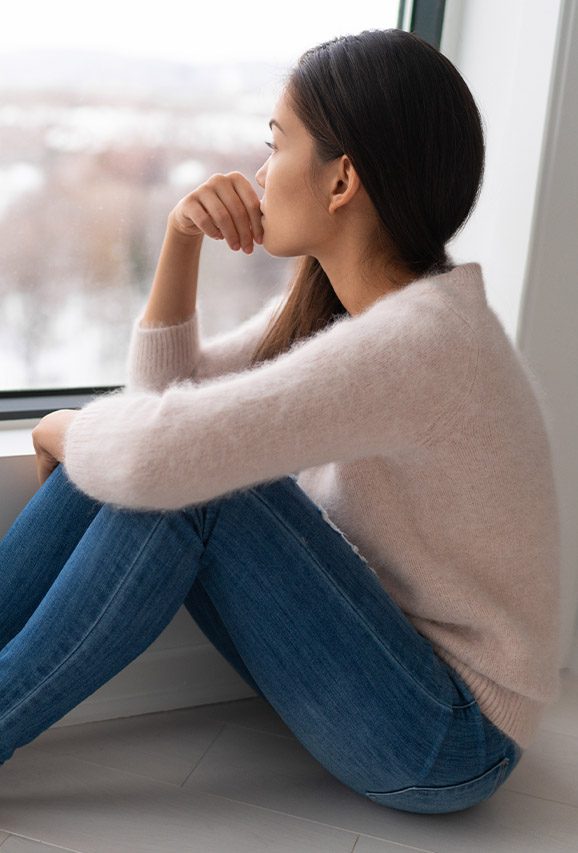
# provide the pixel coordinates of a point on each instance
(423, 17)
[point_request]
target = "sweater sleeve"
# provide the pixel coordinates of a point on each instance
(160, 354)
(367, 383)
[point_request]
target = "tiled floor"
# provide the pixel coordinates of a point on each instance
(231, 778)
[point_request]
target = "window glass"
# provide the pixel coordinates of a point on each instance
(109, 114)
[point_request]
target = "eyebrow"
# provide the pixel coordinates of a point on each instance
(272, 122)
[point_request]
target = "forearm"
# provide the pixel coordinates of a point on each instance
(173, 295)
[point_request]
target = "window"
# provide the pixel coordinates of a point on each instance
(108, 117)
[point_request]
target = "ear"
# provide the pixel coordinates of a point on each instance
(344, 183)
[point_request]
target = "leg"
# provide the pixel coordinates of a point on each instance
(119, 588)
(39, 543)
(32, 554)
(36, 547)
(343, 666)
(335, 656)
(202, 609)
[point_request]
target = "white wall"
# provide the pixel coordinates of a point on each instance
(505, 54)
(520, 60)
(547, 327)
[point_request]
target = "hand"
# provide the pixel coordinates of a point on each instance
(48, 441)
(224, 206)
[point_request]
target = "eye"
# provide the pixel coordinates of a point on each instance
(271, 145)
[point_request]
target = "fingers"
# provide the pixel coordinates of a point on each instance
(234, 208)
(252, 205)
(42, 470)
(45, 462)
(218, 221)
(45, 469)
(225, 206)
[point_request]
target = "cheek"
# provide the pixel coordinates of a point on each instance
(286, 198)
(286, 187)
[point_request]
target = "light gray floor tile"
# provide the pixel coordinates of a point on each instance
(251, 764)
(17, 844)
(71, 803)
(253, 713)
(562, 717)
(374, 845)
(232, 777)
(279, 774)
(165, 746)
(548, 769)
(507, 823)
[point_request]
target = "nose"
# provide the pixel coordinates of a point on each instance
(258, 177)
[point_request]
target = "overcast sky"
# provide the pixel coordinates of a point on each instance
(215, 30)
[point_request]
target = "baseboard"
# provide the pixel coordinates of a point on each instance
(163, 680)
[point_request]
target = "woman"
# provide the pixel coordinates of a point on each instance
(351, 493)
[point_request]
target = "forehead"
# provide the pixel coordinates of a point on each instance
(282, 112)
(282, 108)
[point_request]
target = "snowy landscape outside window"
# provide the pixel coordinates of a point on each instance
(108, 116)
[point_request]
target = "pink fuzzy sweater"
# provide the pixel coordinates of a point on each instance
(418, 428)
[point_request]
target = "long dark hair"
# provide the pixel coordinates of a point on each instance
(407, 120)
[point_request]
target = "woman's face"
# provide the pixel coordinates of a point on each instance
(331, 225)
(294, 221)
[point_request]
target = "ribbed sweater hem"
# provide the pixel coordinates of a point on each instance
(516, 715)
(162, 353)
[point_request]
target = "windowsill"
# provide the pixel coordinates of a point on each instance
(17, 442)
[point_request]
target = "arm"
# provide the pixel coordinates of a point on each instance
(160, 355)
(367, 385)
(166, 340)
(164, 343)
(174, 290)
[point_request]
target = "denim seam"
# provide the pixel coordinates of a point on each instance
(349, 602)
(91, 629)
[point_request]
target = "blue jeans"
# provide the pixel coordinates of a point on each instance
(86, 587)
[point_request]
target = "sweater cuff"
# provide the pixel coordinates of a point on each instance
(161, 354)
(87, 450)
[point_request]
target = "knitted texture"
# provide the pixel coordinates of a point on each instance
(416, 425)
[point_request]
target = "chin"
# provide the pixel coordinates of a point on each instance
(281, 253)
(280, 250)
